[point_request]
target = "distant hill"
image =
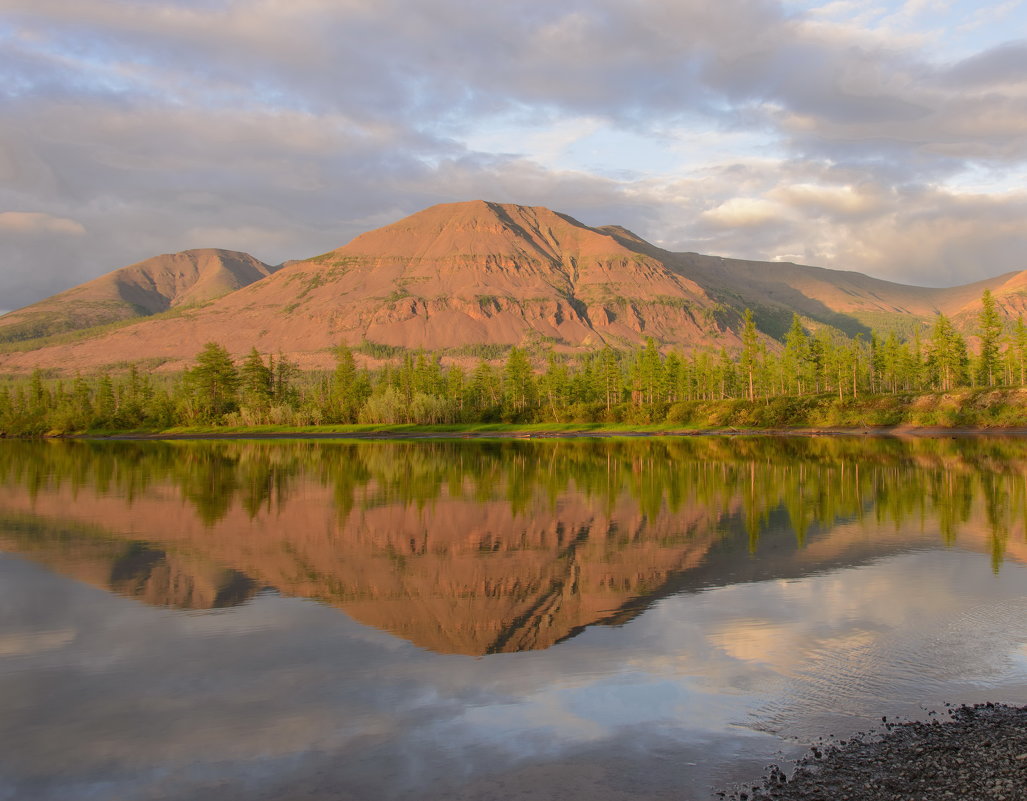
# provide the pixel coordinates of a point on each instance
(139, 290)
(461, 276)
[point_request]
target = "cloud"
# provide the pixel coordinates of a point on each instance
(34, 642)
(34, 222)
(997, 66)
(842, 200)
(152, 124)
(741, 212)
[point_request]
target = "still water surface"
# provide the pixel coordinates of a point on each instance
(573, 619)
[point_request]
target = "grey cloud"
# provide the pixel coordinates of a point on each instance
(153, 124)
(914, 234)
(162, 179)
(431, 63)
(405, 60)
(1005, 64)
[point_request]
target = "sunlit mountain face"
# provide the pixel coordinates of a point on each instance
(459, 279)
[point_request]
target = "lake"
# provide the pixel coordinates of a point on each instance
(600, 619)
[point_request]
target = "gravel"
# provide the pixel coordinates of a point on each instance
(978, 754)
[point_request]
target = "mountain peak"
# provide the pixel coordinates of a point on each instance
(138, 290)
(483, 228)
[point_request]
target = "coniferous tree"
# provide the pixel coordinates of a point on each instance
(256, 381)
(749, 361)
(427, 379)
(725, 376)
(1019, 345)
(457, 388)
(82, 401)
(649, 373)
(672, 377)
(948, 356)
(213, 382)
(485, 388)
(796, 356)
(285, 374)
(106, 404)
(989, 330)
(519, 391)
(611, 377)
(554, 389)
(344, 398)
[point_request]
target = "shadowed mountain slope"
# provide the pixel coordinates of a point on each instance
(462, 275)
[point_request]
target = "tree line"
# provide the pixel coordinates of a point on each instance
(642, 385)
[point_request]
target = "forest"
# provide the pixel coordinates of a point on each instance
(814, 378)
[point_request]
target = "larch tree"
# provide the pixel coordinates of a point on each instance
(1019, 345)
(989, 330)
(213, 382)
(795, 359)
(750, 358)
(256, 381)
(948, 356)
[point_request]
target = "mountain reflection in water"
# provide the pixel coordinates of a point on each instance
(475, 547)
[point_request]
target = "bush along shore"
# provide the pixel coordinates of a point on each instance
(978, 754)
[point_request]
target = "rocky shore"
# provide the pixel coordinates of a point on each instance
(978, 754)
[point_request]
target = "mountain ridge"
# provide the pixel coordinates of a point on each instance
(462, 275)
(138, 290)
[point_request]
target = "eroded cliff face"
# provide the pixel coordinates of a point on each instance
(473, 548)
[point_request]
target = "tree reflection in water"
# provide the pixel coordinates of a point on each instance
(487, 546)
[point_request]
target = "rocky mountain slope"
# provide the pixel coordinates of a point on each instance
(462, 275)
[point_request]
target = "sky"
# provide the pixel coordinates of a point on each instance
(888, 138)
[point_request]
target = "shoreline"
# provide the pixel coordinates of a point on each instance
(979, 753)
(526, 432)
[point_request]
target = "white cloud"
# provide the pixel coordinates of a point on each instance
(742, 212)
(845, 200)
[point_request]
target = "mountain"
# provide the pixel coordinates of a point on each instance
(139, 290)
(460, 276)
(850, 301)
